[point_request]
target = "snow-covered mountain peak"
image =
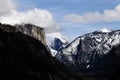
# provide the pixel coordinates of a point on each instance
(104, 30)
(59, 43)
(62, 39)
(87, 50)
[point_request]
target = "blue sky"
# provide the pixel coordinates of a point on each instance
(64, 7)
(74, 16)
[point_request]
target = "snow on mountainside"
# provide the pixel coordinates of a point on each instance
(104, 30)
(62, 39)
(57, 43)
(88, 50)
(53, 52)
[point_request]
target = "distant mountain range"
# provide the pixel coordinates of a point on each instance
(90, 51)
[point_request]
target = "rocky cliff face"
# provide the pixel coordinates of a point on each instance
(25, 58)
(34, 31)
(58, 44)
(90, 51)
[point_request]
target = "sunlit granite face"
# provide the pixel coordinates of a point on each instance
(34, 31)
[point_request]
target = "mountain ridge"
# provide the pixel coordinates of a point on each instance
(85, 50)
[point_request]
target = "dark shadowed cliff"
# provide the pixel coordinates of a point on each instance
(113, 72)
(25, 58)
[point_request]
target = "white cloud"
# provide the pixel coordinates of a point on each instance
(6, 6)
(36, 16)
(92, 17)
(39, 17)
